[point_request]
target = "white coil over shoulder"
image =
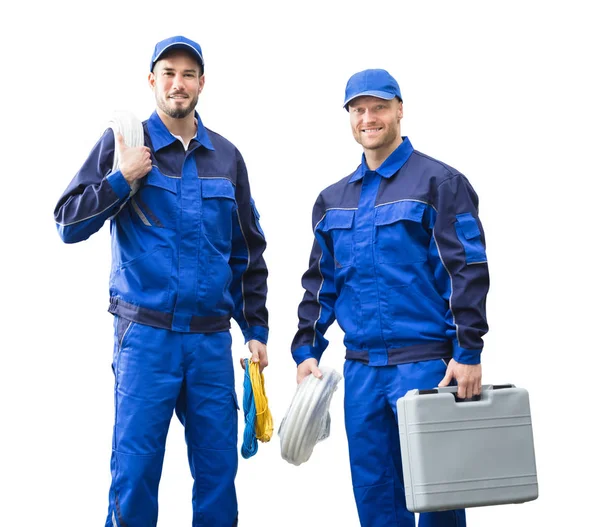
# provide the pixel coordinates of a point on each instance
(132, 130)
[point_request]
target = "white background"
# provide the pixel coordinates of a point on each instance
(506, 92)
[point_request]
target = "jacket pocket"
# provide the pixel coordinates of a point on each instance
(156, 203)
(218, 207)
(338, 224)
(401, 237)
(469, 236)
(256, 217)
(145, 279)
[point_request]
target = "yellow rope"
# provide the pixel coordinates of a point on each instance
(264, 421)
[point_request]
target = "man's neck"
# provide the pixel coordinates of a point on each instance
(185, 128)
(376, 157)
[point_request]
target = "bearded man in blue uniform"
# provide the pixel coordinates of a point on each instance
(186, 257)
(399, 260)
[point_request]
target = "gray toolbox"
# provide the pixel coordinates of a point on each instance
(466, 453)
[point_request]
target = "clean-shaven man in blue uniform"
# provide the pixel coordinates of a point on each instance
(187, 256)
(399, 260)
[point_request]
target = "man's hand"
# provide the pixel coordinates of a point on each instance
(259, 354)
(134, 162)
(468, 377)
(306, 368)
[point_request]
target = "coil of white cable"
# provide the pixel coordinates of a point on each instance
(307, 420)
(132, 130)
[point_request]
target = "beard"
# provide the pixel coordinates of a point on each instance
(178, 112)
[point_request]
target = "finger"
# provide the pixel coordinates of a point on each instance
(242, 364)
(446, 380)
(264, 362)
(120, 141)
(469, 390)
(317, 372)
(255, 357)
(462, 392)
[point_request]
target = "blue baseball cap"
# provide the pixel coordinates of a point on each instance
(178, 42)
(376, 83)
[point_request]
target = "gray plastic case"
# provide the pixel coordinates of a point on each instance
(466, 454)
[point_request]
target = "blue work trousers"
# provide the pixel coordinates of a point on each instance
(156, 372)
(371, 393)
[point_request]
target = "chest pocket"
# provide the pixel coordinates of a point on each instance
(338, 225)
(156, 204)
(401, 237)
(218, 206)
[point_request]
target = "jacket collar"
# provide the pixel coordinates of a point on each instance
(390, 166)
(161, 137)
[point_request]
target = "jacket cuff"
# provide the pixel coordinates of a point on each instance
(306, 352)
(259, 333)
(119, 184)
(465, 356)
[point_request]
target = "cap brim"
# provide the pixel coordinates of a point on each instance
(184, 47)
(373, 93)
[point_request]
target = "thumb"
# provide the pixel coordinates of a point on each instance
(255, 357)
(120, 142)
(447, 378)
(316, 372)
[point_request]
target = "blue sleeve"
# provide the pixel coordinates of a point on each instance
(316, 311)
(459, 237)
(94, 195)
(249, 284)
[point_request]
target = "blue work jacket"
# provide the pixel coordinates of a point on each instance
(399, 260)
(187, 247)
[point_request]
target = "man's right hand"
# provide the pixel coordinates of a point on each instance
(134, 162)
(306, 368)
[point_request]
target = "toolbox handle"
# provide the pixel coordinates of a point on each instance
(454, 391)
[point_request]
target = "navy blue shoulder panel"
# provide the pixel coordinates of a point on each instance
(418, 179)
(341, 195)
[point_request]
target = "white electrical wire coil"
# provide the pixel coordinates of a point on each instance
(132, 130)
(307, 420)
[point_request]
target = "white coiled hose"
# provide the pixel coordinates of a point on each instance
(132, 130)
(307, 420)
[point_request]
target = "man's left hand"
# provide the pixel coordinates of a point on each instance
(468, 377)
(259, 354)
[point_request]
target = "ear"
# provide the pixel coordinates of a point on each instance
(400, 111)
(151, 80)
(201, 81)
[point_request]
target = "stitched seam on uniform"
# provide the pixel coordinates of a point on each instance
(138, 455)
(247, 267)
(139, 212)
(218, 177)
(318, 300)
(166, 175)
(399, 200)
(451, 289)
(153, 217)
(475, 263)
(124, 333)
(89, 217)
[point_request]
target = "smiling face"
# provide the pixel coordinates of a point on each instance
(376, 122)
(176, 82)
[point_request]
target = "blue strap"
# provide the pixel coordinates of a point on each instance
(250, 444)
